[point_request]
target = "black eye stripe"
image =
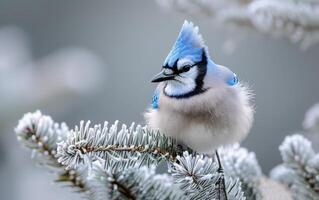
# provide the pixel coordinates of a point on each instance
(175, 70)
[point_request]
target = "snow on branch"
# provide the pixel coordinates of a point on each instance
(41, 134)
(198, 176)
(296, 20)
(132, 183)
(195, 174)
(127, 146)
(118, 162)
(300, 168)
(239, 163)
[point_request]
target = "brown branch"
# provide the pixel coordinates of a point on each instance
(72, 176)
(170, 155)
(124, 190)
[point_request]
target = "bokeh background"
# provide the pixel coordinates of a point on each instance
(93, 60)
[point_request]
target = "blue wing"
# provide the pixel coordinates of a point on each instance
(155, 99)
(233, 80)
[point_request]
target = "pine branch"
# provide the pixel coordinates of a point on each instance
(132, 183)
(233, 189)
(296, 151)
(300, 168)
(120, 161)
(198, 177)
(75, 178)
(297, 20)
(40, 134)
(239, 163)
(126, 146)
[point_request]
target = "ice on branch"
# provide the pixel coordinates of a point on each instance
(239, 163)
(118, 162)
(300, 168)
(198, 176)
(296, 20)
(41, 134)
(283, 174)
(195, 174)
(132, 183)
(296, 150)
(125, 146)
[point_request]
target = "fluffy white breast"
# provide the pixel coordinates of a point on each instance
(219, 116)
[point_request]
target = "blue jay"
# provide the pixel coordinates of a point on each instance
(198, 102)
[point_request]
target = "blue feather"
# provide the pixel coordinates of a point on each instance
(233, 80)
(189, 43)
(155, 99)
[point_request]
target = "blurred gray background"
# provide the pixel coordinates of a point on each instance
(131, 40)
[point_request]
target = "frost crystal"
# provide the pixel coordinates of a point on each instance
(118, 162)
(197, 175)
(125, 146)
(296, 20)
(239, 163)
(300, 168)
(41, 134)
(132, 183)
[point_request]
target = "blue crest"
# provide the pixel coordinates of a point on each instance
(189, 43)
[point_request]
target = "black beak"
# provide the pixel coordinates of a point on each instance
(162, 77)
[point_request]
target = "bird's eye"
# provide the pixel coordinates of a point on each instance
(186, 68)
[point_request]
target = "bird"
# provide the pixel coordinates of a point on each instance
(198, 102)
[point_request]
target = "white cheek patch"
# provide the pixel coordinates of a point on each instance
(191, 74)
(183, 84)
(175, 88)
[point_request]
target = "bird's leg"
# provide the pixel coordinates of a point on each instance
(220, 167)
(221, 187)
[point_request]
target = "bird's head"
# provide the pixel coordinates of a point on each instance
(185, 67)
